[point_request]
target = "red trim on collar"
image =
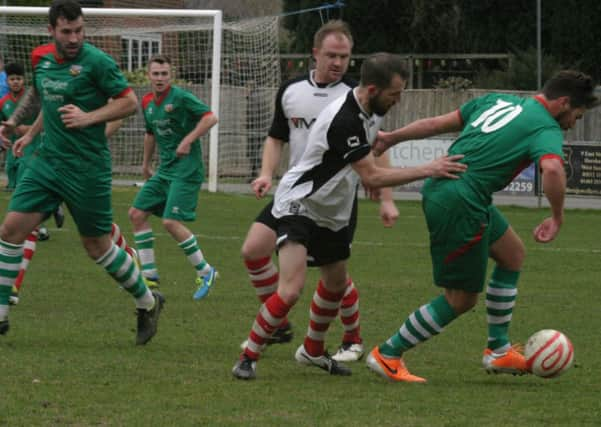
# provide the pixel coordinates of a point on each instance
(39, 52)
(542, 100)
(161, 98)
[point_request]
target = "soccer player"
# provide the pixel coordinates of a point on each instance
(16, 82)
(500, 135)
(72, 81)
(314, 203)
(175, 120)
(298, 103)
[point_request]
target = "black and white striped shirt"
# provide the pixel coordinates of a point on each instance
(322, 184)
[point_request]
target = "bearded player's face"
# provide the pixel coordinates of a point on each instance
(68, 37)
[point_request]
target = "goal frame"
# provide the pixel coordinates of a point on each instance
(216, 15)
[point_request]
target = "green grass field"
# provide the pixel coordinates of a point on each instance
(70, 360)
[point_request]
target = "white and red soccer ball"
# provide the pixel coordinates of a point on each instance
(549, 353)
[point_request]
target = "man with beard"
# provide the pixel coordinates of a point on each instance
(313, 206)
(298, 103)
(72, 81)
(500, 135)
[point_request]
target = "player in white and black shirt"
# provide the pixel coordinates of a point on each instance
(322, 183)
(298, 103)
(312, 209)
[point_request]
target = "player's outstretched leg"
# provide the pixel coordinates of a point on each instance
(122, 267)
(424, 323)
(205, 273)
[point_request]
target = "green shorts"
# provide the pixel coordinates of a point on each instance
(460, 238)
(87, 194)
(169, 199)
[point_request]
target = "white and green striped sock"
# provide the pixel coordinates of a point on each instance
(501, 294)
(195, 256)
(121, 266)
(145, 244)
(10, 263)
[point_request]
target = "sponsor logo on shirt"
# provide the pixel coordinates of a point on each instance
(353, 141)
(168, 108)
(75, 70)
(294, 208)
(301, 122)
(321, 94)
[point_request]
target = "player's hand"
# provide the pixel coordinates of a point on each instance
(73, 117)
(381, 144)
(261, 186)
(147, 172)
(388, 213)
(546, 230)
(447, 167)
(183, 149)
(20, 144)
(7, 128)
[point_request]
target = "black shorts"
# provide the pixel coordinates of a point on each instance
(324, 246)
(266, 218)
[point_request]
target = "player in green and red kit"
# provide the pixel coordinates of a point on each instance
(73, 81)
(500, 135)
(8, 103)
(15, 77)
(16, 82)
(175, 120)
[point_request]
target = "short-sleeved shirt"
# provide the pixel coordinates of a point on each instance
(169, 119)
(298, 103)
(87, 81)
(322, 185)
(502, 135)
(8, 104)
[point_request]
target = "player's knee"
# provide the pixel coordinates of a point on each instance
(136, 216)
(461, 301)
(10, 233)
(253, 249)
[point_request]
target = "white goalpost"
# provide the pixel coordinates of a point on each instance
(226, 64)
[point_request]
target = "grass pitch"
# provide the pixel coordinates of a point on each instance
(70, 360)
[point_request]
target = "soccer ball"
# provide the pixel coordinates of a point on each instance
(548, 353)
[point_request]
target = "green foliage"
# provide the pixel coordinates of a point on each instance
(70, 360)
(454, 83)
(571, 34)
(521, 75)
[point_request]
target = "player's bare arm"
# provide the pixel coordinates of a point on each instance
(32, 131)
(149, 147)
(272, 154)
(554, 183)
(202, 128)
(419, 129)
(388, 210)
(29, 105)
(375, 176)
(74, 118)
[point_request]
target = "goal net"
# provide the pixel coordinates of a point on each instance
(232, 66)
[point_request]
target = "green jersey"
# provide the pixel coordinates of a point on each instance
(502, 135)
(8, 105)
(87, 81)
(169, 119)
